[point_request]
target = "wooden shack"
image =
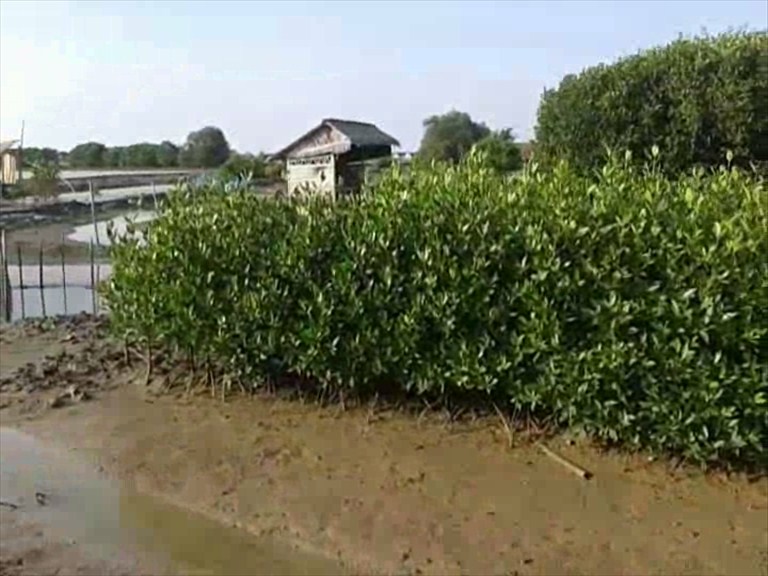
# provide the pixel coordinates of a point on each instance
(331, 158)
(10, 162)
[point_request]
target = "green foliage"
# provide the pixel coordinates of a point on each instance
(143, 155)
(695, 99)
(44, 181)
(88, 155)
(245, 166)
(501, 152)
(167, 154)
(634, 307)
(34, 156)
(205, 148)
(450, 137)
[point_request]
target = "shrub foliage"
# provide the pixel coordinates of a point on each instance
(634, 307)
(696, 99)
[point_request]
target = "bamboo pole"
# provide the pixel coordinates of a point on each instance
(93, 211)
(154, 197)
(21, 282)
(93, 283)
(40, 279)
(570, 466)
(64, 278)
(6, 293)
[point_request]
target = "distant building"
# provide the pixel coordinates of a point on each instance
(332, 158)
(10, 162)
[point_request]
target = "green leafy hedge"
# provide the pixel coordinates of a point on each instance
(696, 99)
(634, 307)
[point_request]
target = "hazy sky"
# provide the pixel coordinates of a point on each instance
(124, 72)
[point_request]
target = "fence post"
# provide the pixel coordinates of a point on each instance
(6, 292)
(154, 196)
(63, 277)
(21, 282)
(42, 283)
(93, 283)
(93, 211)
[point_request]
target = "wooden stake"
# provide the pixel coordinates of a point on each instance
(93, 212)
(21, 282)
(6, 292)
(93, 282)
(40, 279)
(64, 277)
(154, 197)
(575, 468)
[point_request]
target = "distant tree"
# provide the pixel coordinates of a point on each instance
(244, 165)
(36, 156)
(88, 155)
(167, 154)
(206, 148)
(450, 137)
(142, 155)
(115, 157)
(274, 170)
(501, 151)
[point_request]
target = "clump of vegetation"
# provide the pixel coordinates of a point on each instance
(452, 136)
(244, 166)
(501, 152)
(44, 181)
(633, 306)
(205, 148)
(696, 99)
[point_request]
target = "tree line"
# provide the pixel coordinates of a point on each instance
(204, 148)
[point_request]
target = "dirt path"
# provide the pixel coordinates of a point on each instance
(381, 491)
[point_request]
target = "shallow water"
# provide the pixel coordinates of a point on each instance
(78, 299)
(122, 525)
(86, 232)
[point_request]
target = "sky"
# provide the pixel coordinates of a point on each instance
(266, 72)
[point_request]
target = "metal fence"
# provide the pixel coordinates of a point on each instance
(34, 289)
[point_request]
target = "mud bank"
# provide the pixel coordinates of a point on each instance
(372, 489)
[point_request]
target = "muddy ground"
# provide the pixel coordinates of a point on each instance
(370, 488)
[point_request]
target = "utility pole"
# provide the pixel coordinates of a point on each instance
(21, 155)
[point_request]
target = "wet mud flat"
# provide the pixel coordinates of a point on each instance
(364, 490)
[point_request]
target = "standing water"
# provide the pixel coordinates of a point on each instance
(86, 233)
(130, 530)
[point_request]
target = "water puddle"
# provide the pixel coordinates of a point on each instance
(86, 232)
(73, 502)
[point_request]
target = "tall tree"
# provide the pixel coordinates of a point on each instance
(449, 137)
(88, 155)
(168, 154)
(142, 155)
(206, 148)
